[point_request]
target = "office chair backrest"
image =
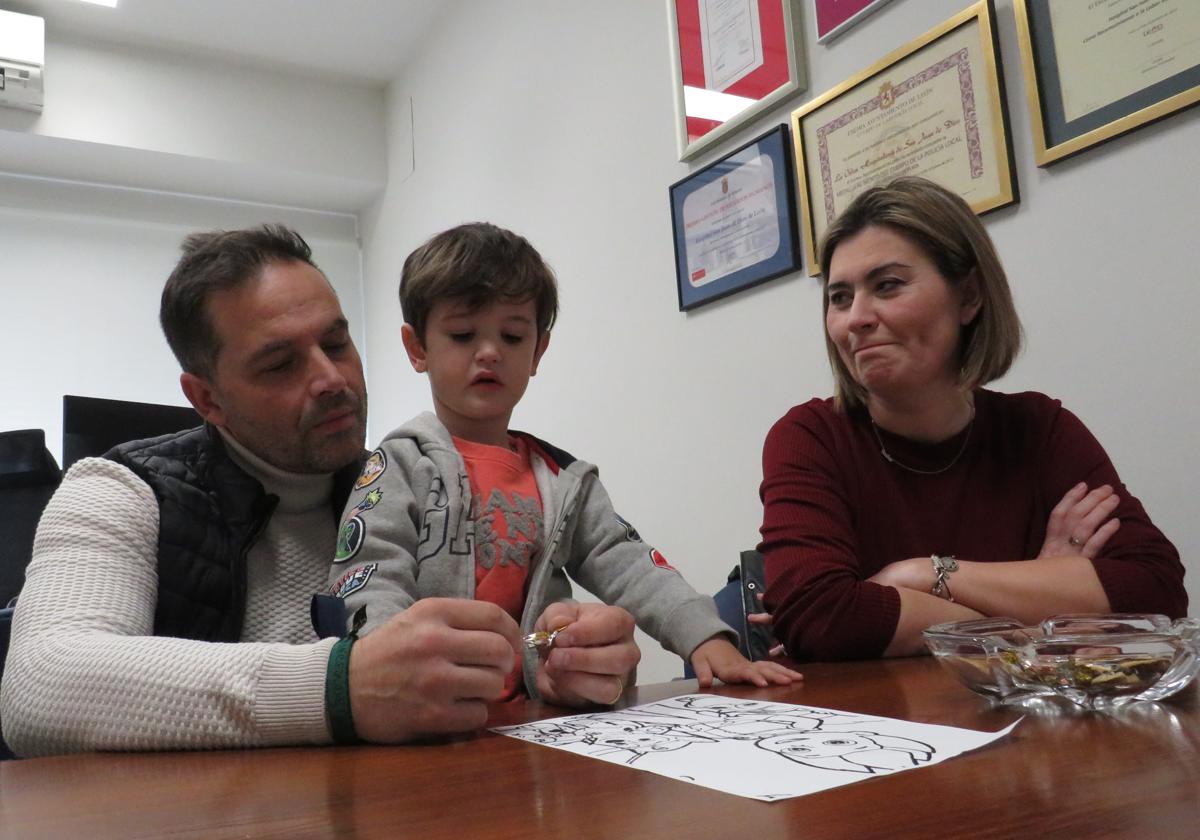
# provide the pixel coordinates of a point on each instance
(29, 476)
(5, 627)
(92, 426)
(737, 599)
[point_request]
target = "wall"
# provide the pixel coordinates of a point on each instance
(81, 271)
(557, 121)
(134, 150)
(154, 120)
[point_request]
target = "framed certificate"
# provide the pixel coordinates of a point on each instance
(834, 17)
(933, 108)
(731, 59)
(735, 222)
(1096, 70)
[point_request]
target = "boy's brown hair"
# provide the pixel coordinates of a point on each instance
(478, 264)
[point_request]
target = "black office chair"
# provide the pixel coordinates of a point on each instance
(29, 475)
(737, 599)
(5, 628)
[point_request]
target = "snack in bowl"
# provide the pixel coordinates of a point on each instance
(1104, 669)
(972, 650)
(1098, 661)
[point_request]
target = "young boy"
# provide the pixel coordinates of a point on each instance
(453, 504)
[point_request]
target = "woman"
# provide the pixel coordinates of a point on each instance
(915, 496)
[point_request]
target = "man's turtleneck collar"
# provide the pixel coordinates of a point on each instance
(297, 492)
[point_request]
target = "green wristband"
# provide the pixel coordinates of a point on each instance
(337, 692)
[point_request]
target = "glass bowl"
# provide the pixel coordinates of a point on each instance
(1101, 667)
(1097, 661)
(1106, 623)
(972, 651)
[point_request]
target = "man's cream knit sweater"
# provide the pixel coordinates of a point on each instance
(83, 671)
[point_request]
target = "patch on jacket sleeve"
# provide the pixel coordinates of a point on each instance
(350, 539)
(369, 501)
(353, 580)
(630, 532)
(372, 469)
(656, 557)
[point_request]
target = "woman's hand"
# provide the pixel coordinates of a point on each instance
(1080, 524)
(765, 619)
(915, 573)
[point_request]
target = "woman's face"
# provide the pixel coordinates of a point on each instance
(894, 319)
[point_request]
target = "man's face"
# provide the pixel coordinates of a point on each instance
(288, 383)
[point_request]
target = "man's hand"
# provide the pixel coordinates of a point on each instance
(592, 658)
(719, 658)
(431, 669)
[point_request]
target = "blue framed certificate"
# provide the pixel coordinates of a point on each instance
(734, 221)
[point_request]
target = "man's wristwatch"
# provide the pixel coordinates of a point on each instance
(942, 569)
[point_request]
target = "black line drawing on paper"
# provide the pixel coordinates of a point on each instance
(800, 734)
(753, 748)
(857, 752)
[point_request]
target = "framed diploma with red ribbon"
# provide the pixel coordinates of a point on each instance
(731, 60)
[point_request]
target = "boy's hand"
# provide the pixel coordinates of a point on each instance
(592, 659)
(432, 669)
(718, 658)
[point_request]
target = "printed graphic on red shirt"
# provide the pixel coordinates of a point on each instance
(508, 529)
(506, 510)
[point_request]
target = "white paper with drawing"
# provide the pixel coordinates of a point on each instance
(753, 748)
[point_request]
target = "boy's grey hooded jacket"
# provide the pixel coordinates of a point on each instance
(407, 534)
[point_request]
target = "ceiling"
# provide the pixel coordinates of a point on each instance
(359, 40)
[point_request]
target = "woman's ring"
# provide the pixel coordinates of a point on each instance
(1077, 543)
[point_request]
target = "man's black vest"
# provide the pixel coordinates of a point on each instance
(210, 514)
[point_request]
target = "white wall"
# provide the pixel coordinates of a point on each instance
(555, 119)
(134, 150)
(81, 272)
(150, 119)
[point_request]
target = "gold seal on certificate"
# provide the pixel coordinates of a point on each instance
(933, 108)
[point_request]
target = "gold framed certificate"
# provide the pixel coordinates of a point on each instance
(933, 108)
(1098, 69)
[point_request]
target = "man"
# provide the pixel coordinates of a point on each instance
(167, 602)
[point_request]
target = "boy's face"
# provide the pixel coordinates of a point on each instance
(479, 363)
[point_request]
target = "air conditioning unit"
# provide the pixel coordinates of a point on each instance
(22, 55)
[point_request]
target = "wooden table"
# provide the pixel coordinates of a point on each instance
(1058, 775)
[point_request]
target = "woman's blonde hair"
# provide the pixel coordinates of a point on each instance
(946, 229)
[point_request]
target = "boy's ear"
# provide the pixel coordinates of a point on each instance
(539, 351)
(203, 397)
(414, 348)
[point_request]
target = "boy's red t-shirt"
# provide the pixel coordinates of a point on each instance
(506, 508)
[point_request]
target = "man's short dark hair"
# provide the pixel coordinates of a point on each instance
(217, 261)
(478, 264)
